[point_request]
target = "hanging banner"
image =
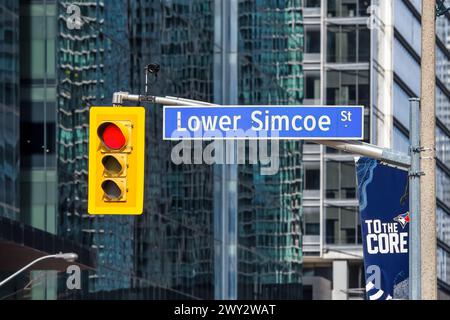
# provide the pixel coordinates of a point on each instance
(384, 212)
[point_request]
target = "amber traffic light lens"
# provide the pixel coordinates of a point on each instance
(112, 165)
(112, 136)
(111, 189)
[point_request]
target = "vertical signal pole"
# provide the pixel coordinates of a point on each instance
(414, 201)
(428, 160)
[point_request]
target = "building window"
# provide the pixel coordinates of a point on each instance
(311, 221)
(443, 146)
(342, 226)
(348, 8)
(341, 181)
(443, 265)
(442, 185)
(33, 141)
(348, 44)
(312, 178)
(312, 3)
(443, 225)
(348, 87)
(401, 141)
(356, 276)
(312, 87)
(312, 36)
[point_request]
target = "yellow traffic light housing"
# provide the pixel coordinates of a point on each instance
(116, 160)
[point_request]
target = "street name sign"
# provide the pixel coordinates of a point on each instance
(263, 122)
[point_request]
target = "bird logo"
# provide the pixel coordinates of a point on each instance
(403, 219)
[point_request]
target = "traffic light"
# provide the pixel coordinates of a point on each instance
(116, 160)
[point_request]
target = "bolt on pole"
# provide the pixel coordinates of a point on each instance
(428, 154)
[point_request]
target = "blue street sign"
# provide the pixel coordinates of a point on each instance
(263, 122)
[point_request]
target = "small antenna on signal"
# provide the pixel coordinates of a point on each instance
(152, 68)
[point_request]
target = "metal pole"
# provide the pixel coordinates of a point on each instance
(428, 156)
(369, 150)
(70, 257)
(414, 201)
(355, 147)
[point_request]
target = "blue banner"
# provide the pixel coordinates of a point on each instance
(384, 208)
(263, 122)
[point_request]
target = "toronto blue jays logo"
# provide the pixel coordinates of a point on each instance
(403, 219)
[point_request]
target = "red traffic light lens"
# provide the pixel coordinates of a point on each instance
(112, 136)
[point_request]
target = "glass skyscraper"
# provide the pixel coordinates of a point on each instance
(28, 223)
(9, 109)
(270, 72)
(69, 63)
(92, 63)
(180, 35)
(174, 236)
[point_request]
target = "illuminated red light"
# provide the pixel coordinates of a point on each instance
(113, 137)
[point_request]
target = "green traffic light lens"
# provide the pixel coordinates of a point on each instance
(112, 190)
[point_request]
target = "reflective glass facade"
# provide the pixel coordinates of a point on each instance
(38, 114)
(271, 43)
(174, 236)
(92, 63)
(180, 198)
(29, 185)
(169, 251)
(38, 178)
(9, 109)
